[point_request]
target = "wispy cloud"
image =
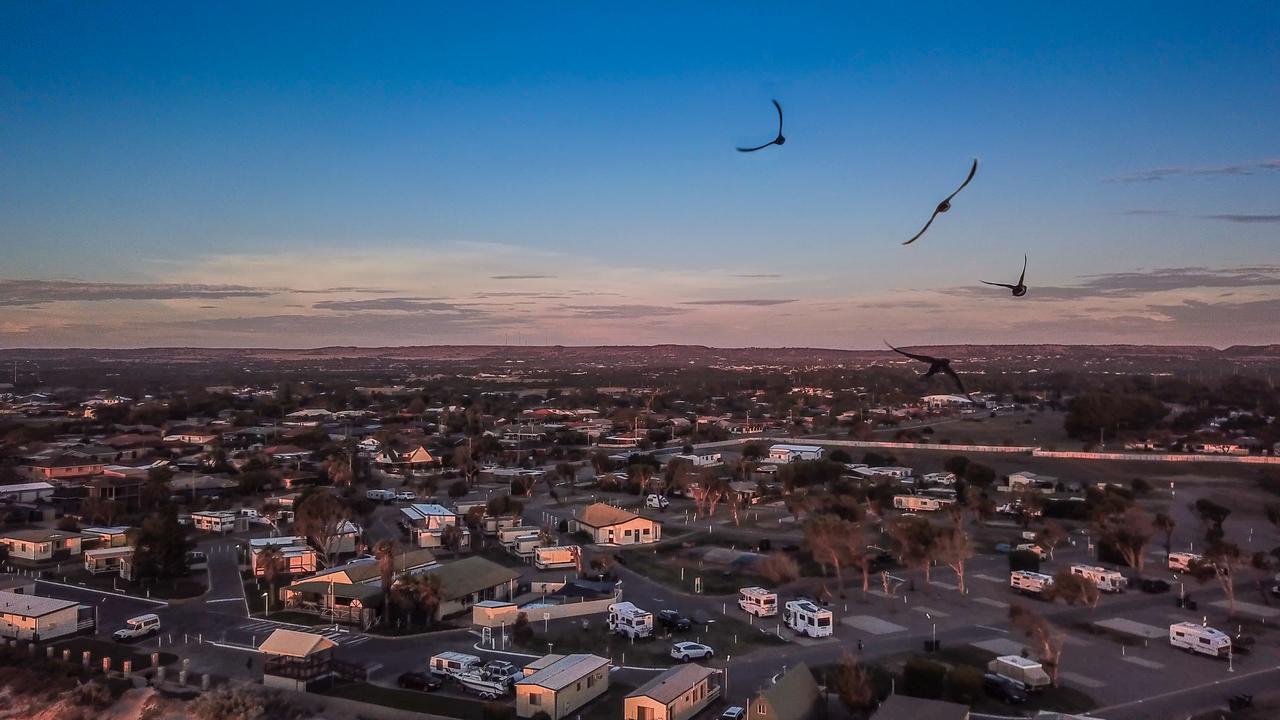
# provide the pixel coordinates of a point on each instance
(1147, 212)
(40, 292)
(1247, 219)
(396, 304)
(748, 302)
(621, 312)
(521, 277)
(757, 275)
(1253, 167)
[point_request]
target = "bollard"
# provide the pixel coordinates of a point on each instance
(66, 655)
(127, 667)
(48, 652)
(186, 664)
(87, 658)
(182, 678)
(155, 659)
(31, 649)
(159, 675)
(106, 665)
(204, 682)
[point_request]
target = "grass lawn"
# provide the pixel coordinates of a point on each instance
(175, 589)
(117, 652)
(409, 700)
(1059, 699)
(726, 636)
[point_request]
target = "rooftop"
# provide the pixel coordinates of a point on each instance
(602, 515)
(565, 671)
(673, 683)
(292, 643)
(32, 605)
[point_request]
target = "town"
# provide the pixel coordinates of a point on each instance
(730, 543)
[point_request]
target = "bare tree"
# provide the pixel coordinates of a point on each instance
(1051, 536)
(1045, 638)
(952, 547)
(385, 552)
(778, 568)
(1129, 532)
(451, 538)
(916, 538)
(466, 463)
(320, 517)
(1220, 562)
(1074, 589)
(1163, 522)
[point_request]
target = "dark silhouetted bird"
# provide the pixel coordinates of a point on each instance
(1018, 290)
(780, 140)
(945, 205)
(936, 365)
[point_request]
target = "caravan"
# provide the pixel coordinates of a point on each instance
(1106, 580)
(758, 601)
(378, 495)
(1030, 583)
(1182, 561)
(630, 621)
(804, 617)
(1197, 638)
(453, 664)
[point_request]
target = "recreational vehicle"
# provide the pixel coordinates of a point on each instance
(1027, 673)
(378, 495)
(1030, 583)
(630, 621)
(804, 617)
(920, 503)
(1197, 638)
(758, 601)
(1106, 580)
(1182, 561)
(453, 664)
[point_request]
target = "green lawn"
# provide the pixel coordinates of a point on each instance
(409, 700)
(726, 636)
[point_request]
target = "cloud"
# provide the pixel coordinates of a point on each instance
(1244, 218)
(396, 304)
(1146, 212)
(1247, 168)
(39, 292)
(357, 290)
(1134, 284)
(621, 312)
(521, 277)
(1195, 312)
(749, 302)
(757, 275)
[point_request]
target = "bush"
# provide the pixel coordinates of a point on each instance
(924, 678)
(541, 715)
(458, 489)
(562, 526)
(840, 455)
(964, 684)
(1024, 560)
(582, 536)
(498, 711)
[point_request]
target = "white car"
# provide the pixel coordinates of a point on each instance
(408, 495)
(735, 712)
(138, 627)
(1032, 547)
(656, 501)
(686, 651)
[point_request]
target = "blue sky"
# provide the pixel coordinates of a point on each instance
(413, 153)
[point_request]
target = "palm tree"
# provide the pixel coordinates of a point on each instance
(271, 564)
(419, 591)
(385, 552)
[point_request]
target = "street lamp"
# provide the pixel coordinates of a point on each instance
(933, 644)
(266, 603)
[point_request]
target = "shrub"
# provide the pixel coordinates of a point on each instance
(458, 489)
(924, 678)
(498, 711)
(964, 684)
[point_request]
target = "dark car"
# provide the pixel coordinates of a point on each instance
(1154, 586)
(1004, 689)
(673, 620)
(425, 682)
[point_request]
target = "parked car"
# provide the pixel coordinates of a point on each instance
(686, 651)
(672, 620)
(1154, 586)
(1004, 689)
(656, 501)
(425, 682)
(138, 627)
(1275, 591)
(408, 495)
(501, 670)
(733, 712)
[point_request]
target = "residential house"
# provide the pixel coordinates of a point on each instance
(219, 521)
(109, 560)
(351, 593)
(127, 491)
(608, 525)
(1025, 481)
(65, 466)
(297, 661)
(35, 545)
(710, 459)
(296, 556)
(427, 523)
(678, 693)
(31, 617)
(561, 684)
(192, 436)
(785, 453)
(396, 461)
(470, 580)
(286, 454)
(906, 707)
(105, 537)
(794, 696)
(26, 492)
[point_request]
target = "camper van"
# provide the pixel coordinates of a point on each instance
(453, 664)
(1027, 673)
(1106, 580)
(1182, 561)
(920, 503)
(378, 495)
(804, 617)
(758, 601)
(1030, 583)
(630, 621)
(1197, 638)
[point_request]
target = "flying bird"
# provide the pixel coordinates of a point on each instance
(1018, 290)
(780, 140)
(936, 365)
(945, 205)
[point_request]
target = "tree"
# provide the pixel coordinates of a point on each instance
(1213, 515)
(465, 461)
(451, 538)
(951, 546)
(1220, 562)
(1090, 413)
(979, 475)
(1128, 532)
(419, 591)
(1051, 536)
(1073, 589)
(924, 678)
(103, 510)
(458, 489)
(964, 684)
(160, 547)
(916, 537)
(1163, 522)
(853, 684)
(1047, 641)
(957, 465)
(778, 568)
(385, 552)
(156, 492)
(271, 565)
(828, 538)
(339, 468)
(320, 516)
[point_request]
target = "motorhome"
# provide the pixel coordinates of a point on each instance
(630, 621)
(920, 503)
(453, 664)
(758, 601)
(378, 495)
(1198, 638)
(1182, 561)
(1030, 583)
(1106, 580)
(805, 617)
(1027, 673)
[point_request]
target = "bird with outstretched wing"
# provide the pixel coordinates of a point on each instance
(936, 365)
(780, 140)
(1018, 290)
(945, 205)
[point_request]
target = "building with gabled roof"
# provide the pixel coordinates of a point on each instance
(793, 697)
(561, 684)
(609, 525)
(678, 693)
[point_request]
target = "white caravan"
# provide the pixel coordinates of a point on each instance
(453, 664)
(804, 617)
(1106, 580)
(630, 621)
(758, 601)
(1030, 583)
(1197, 638)
(1182, 561)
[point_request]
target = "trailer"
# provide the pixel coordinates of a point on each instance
(805, 617)
(1199, 639)
(1106, 580)
(1182, 561)
(920, 503)
(1027, 673)
(630, 621)
(1030, 583)
(486, 686)
(453, 664)
(378, 495)
(758, 601)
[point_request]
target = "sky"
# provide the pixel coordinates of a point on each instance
(312, 174)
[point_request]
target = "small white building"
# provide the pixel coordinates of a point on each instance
(678, 693)
(32, 617)
(219, 521)
(711, 459)
(297, 557)
(557, 557)
(428, 521)
(562, 685)
(26, 492)
(608, 525)
(784, 453)
(109, 560)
